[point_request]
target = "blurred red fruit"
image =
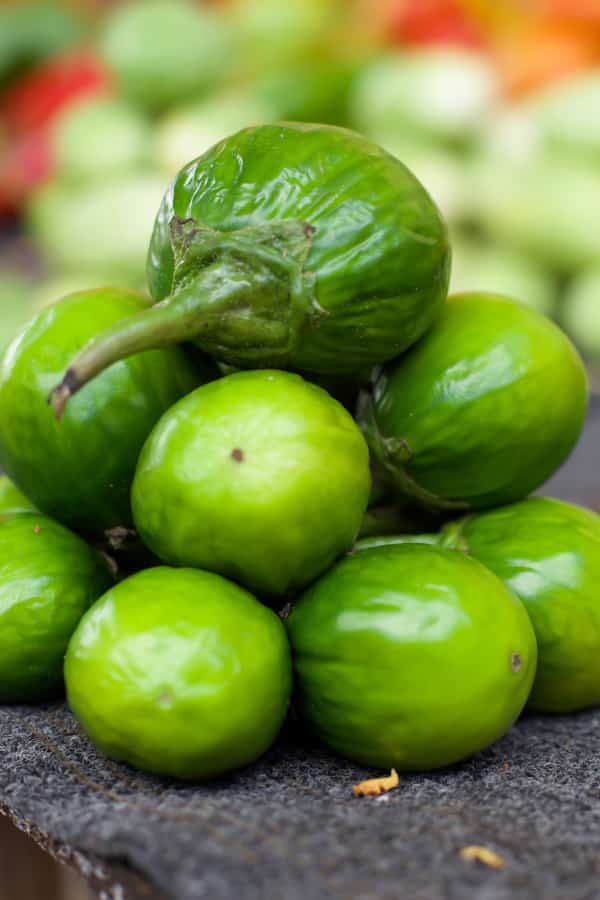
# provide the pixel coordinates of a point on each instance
(431, 22)
(33, 100)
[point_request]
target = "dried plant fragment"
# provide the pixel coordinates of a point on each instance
(373, 787)
(483, 855)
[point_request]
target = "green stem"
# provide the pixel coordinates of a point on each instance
(149, 329)
(242, 296)
(410, 488)
(394, 455)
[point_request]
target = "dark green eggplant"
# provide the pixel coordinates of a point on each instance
(548, 553)
(482, 410)
(12, 500)
(80, 470)
(291, 246)
(413, 656)
(48, 579)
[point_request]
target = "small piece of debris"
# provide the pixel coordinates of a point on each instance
(482, 855)
(237, 454)
(118, 536)
(373, 787)
(111, 563)
(37, 530)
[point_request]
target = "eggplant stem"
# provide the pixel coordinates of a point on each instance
(59, 396)
(394, 455)
(242, 297)
(411, 488)
(147, 330)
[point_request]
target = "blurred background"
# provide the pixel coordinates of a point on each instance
(494, 106)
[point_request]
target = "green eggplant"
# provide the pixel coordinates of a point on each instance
(411, 656)
(48, 579)
(294, 246)
(260, 476)
(482, 410)
(180, 672)
(79, 471)
(12, 500)
(162, 52)
(548, 553)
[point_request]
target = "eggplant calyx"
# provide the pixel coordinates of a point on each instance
(243, 296)
(411, 488)
(394, 455)
(254, 281)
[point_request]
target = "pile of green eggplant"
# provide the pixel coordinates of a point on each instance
(296, 478)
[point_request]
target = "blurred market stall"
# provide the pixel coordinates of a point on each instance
(496, 107)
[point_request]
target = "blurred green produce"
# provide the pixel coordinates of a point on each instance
(272, 33)
(548, 208)
(515, 173)
(32, 32)
(99, 228)
(446, 94)
(316, 90)
(16, 305)
(476, 264)
(566, 116)
(581, 315)
(510, 136)
(162, 51)
(99, 137)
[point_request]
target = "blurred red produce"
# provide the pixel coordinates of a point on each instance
(27, 109)
(431, 22)
(33, 100)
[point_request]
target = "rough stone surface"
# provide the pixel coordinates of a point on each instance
(289, 828)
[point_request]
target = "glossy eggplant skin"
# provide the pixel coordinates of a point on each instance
(259, 476)
(482, 410)
(180, 672)
(79, 470)
(410, 656)
(371, 541)
(48, 579)
(12, 500)
(378, 265)
(548, 553)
